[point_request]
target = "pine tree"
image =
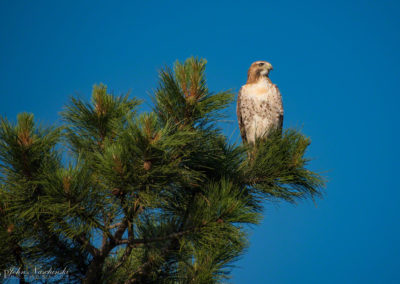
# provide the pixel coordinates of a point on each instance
(159, 197)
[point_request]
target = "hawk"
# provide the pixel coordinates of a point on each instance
(259, 104)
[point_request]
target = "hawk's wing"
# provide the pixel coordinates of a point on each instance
(280, 107)
(239, 116)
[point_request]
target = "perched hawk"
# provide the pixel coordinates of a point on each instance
(259, 104)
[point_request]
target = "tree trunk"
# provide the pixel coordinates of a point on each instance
(94, 272)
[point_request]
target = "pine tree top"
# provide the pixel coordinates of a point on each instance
(158, 197)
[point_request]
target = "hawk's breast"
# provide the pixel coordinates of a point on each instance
(261, 108)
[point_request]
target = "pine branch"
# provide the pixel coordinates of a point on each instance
(158, 239)
(86, 244)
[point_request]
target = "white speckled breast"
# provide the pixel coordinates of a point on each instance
(261, 108)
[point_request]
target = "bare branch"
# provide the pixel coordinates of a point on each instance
(114, 225)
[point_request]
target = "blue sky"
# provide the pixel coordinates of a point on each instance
(335, 62)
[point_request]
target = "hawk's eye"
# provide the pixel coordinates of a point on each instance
(260, 64)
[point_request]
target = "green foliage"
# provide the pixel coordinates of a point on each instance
(278, 167)
(160, 197)
(183, 97)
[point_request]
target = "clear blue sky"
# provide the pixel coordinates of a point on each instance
(336, 63)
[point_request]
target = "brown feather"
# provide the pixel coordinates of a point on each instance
(239, 116)
(254, 73)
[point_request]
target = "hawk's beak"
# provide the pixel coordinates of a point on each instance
(269, 67)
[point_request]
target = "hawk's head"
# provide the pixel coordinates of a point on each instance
(257, 70)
